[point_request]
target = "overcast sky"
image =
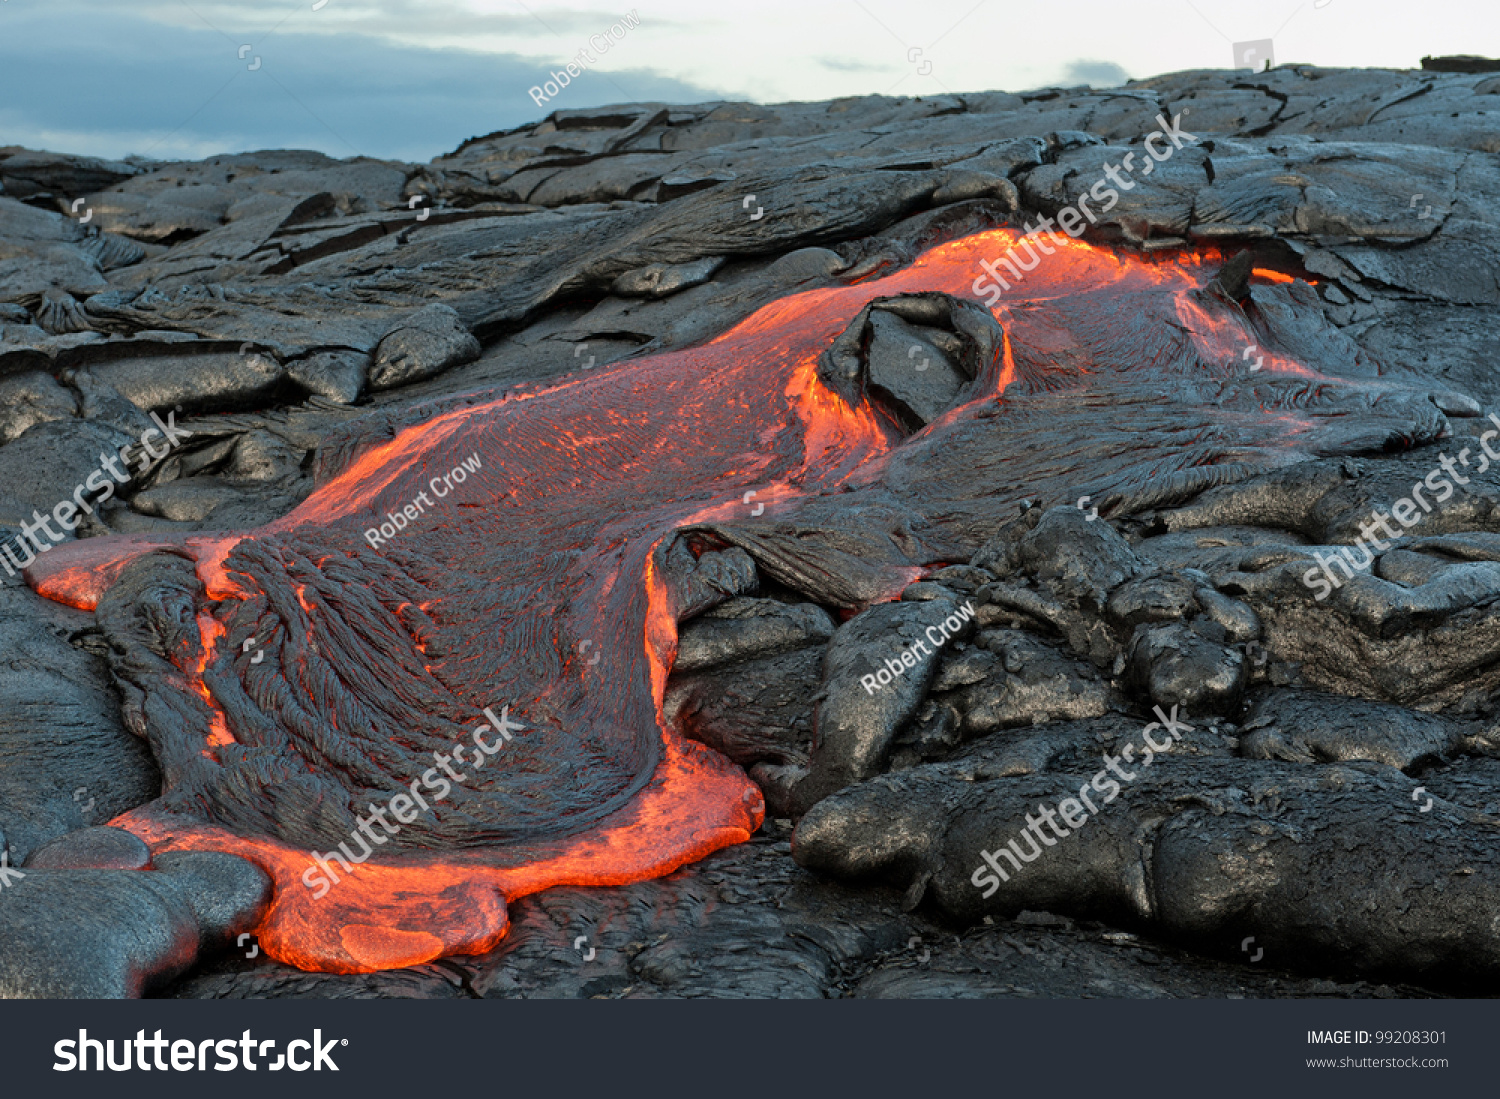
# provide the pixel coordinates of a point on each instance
(411, 79)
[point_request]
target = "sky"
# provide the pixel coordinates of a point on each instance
(412, 79)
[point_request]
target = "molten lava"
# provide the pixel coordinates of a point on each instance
(540, 584)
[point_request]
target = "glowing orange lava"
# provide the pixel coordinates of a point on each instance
(638, 450)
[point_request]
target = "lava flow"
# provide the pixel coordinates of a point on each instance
(294, 679)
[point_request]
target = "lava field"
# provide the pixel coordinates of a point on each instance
(960, 546)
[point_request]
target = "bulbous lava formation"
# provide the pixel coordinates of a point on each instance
(291, 677)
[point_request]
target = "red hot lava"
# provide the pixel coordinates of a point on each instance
(539, 584)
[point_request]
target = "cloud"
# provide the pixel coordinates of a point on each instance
(1096, 74)
(113, 85)
(846, 65)
(424, 22)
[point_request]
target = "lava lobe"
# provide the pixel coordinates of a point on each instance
(294, 678)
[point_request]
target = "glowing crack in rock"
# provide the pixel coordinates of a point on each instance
(1114, 369)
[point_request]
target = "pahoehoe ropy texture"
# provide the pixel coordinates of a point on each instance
(722, 464)
(376, 656)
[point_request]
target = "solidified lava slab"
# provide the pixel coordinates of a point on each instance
(301, 674)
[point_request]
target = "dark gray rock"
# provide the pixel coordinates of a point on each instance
(102, 848)
(657, 280)
(338, 375)
(1157, 598)
(41, 471)
(743, 628)
(30, 399)
(189, 501)
(111, 934)
(914, 374)
(59, 313)
(1173, 665)
(1306, 727)
(756, 710)
(212, 382)
(1249, 868)
(427, 343)
(25, 174)
(1028, 683)
(915, 353)
(876, 671)
(235, 978)
(703, 582)
(69, 761)
(1079, 559)
(227, 893)
(571, 245)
